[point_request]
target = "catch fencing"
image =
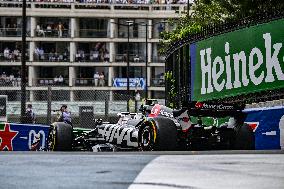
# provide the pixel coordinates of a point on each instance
(46, 102)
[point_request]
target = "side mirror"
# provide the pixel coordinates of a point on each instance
(98, 122)
(141, 109)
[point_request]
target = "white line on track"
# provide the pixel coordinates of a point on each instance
(213, 171)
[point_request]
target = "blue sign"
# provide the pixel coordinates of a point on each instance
(23, 137)
(133, 82)
(266, 125)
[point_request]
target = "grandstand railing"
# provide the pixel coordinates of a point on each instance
(70, 4)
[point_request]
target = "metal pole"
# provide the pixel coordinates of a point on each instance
(187, 8)
(128, 90)
(146, 62)
(49, 100)
(23, 67)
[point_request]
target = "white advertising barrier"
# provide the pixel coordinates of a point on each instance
(281, 127)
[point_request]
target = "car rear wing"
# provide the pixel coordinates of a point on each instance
(207, 109)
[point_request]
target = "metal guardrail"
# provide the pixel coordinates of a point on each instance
(50, 81)
(157, 82)
(158, 59)
(52, 57)
(93, 57)
(11, 57)
(12, 32)
(90, 82)
(132, 58)
(92, 33)
(65, 33)
(94, 5)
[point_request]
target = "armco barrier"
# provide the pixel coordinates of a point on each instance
(22, 137)
(269, 127)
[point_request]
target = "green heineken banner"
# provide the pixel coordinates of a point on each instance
(240, 62)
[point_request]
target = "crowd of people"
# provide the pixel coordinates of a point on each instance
(97, 54)
(51, 30)
(10, 80)
(11, 55)
(99, 79)
(51, 56)
(58, 80)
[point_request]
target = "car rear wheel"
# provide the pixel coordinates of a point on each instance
(60, 137)
(244, 138)
(158, 134)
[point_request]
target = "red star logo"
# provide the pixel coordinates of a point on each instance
(198, 105)
(7, 137)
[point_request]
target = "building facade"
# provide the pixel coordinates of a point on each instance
(80, 49)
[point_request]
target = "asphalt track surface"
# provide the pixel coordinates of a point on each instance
(153, 170)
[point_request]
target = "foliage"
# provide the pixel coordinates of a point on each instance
(172, 93)
(202, 14)
(208, 12)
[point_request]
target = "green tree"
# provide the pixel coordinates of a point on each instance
(207, 12)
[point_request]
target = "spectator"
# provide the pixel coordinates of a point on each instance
(106, 56)
(136, 58)
(12, 80)
(16, 54)
(65, 55)
(96, 78)
(102, 79)
(55, 80)
(60, 28)
(60, 80)
(37, 56)
(160, 28)
(49, 29)
(65, 115)
(78, 56)
(30, 115)
(39, 31)
(41, 54)
(7, 53)
(95, 55)
(4, 76)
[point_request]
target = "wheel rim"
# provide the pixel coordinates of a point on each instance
(146, 137)
(146, 141)
(51, 139)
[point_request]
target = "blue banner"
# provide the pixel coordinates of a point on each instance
(23, 137)
(133, 82)
(192, 68)
(266, 125)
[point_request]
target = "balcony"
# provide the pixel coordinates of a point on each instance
(65, 33)
(92, 33)
(90, 82)
(132, 58)
(158, 59)
(11, 57)
(12, 32)
(157, 82)
(50, 82)
(93, 57)
(10, 81)
(52, 57)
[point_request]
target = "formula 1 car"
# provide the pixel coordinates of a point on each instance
(197, 126)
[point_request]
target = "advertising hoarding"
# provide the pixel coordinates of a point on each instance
(240, 62)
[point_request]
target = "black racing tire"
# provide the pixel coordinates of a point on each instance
(60, 137)
(244, 138)
(159, 134)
